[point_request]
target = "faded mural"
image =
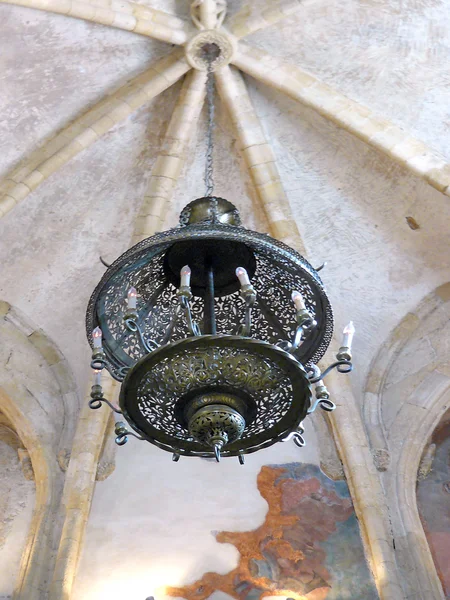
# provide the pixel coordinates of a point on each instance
(433, 498)
(308, 547)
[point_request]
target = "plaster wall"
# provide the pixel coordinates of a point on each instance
(16, 507)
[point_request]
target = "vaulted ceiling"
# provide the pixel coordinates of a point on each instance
(326, 119)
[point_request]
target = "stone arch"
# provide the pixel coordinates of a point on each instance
(38, 396)
(406, 394)
(433, 497)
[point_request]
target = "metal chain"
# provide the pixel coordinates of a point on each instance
(209, 173)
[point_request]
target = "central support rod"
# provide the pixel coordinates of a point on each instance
(210, 313)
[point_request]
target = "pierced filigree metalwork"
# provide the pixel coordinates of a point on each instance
(272, 386)
(235, 350)
(277, 271)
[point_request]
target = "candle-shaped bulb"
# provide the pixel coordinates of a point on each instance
(242, 275)
(132, 298)
(97, 377)
(297, 299)
(97, 337)
(349, 332)
(185, 276)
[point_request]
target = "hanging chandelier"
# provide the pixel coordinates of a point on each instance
(215, 332)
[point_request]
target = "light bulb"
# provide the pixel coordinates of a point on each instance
(297, 299)
(185, 276)
(349, 332)
(242, 275)
(97, 337)
(132, 298)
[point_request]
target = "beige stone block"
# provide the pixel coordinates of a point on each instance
(122, 7)
(124, 21)
(144, 27)
(72, 130)
(358, 109)
(300, 77)
(159, 186)
(241, 30)
(4, 307)
(387, 139)
(408, 148)
(103, 125)
(59, 6)
(265, 174)
(349, 120)
(168, 61)
(327, 101)
(167, 166)
(33, 179)
(19, 192)
(250, 136)
(20, 323)
(101, 3)
(148, 226)
(136, 99)
(284, 229)
(371, 126)
(120, 112)
(272, 15)
(259, 154)
(439, 178)
(272, 193)
(153, 206)
(426, 162)
(154, 87)
(86, 138)
(50, 166)
(104, 15)
(443, 292)
(82, 10)
(41, 342)
(19, 174)
(168, 20)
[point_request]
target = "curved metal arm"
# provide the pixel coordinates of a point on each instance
(97, 399)
(194, 329)
(325, 404)
(134, 327)
(298, 339)
(122, 434)
(297, 436)
(249, 295)
(343, 366)
(96, 403)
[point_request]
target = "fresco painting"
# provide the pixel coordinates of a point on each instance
(309, 546)
(433, 499)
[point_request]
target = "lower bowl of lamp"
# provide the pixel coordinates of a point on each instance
(200, 393)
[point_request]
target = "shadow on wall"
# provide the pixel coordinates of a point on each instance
(309, 546)
(433, 499)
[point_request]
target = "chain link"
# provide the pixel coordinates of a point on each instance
(209, 172)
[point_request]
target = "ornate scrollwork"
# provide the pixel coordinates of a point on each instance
(279, 270)
(275, 382)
